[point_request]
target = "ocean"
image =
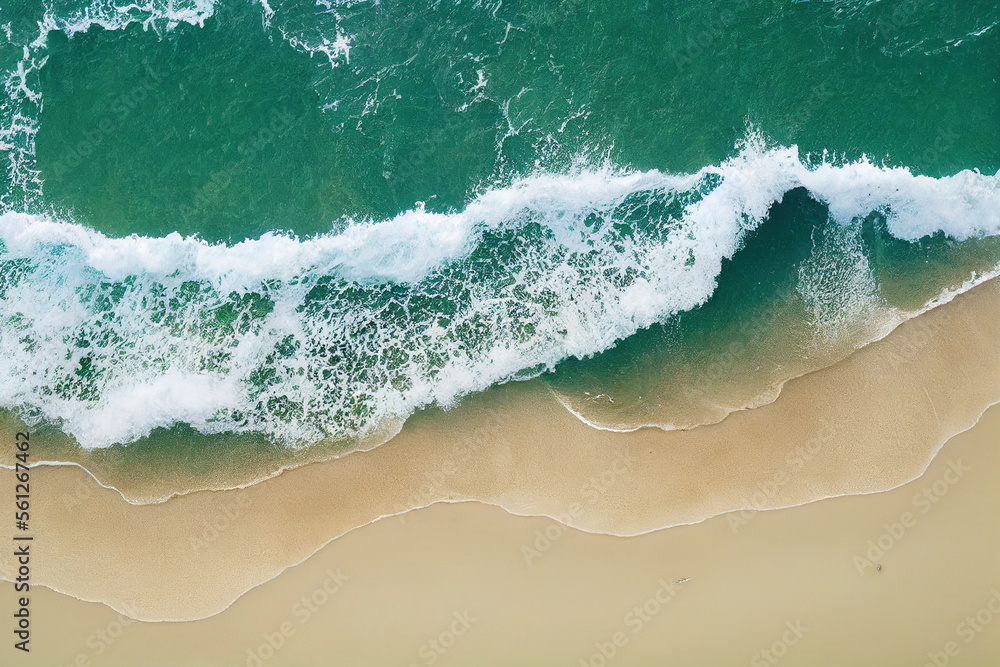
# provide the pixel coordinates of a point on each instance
(300, 223)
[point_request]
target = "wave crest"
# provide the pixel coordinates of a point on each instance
(333, 336)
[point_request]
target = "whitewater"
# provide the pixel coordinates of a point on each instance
(333, 336)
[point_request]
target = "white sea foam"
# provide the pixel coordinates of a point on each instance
(838, 286)
(331, 336)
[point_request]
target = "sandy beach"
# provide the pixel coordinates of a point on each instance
(467, 583)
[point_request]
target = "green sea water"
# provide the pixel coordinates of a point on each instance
(401, 117)
(441, 196)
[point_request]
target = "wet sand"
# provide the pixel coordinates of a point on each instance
(868, 423)
(453, 584)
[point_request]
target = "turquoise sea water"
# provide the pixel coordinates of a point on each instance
(303, 220)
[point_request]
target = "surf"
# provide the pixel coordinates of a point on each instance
(336, 335)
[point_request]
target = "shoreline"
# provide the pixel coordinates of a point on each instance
(831, 433)
(771, 393)
(120, 474)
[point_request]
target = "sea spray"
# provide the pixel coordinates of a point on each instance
(334, 335)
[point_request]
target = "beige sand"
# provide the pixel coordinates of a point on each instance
(753, 356)
(794, 582)
(869, 423)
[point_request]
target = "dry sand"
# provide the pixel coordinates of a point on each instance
(796, 582)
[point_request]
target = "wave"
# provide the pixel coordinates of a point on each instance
(338, 335)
